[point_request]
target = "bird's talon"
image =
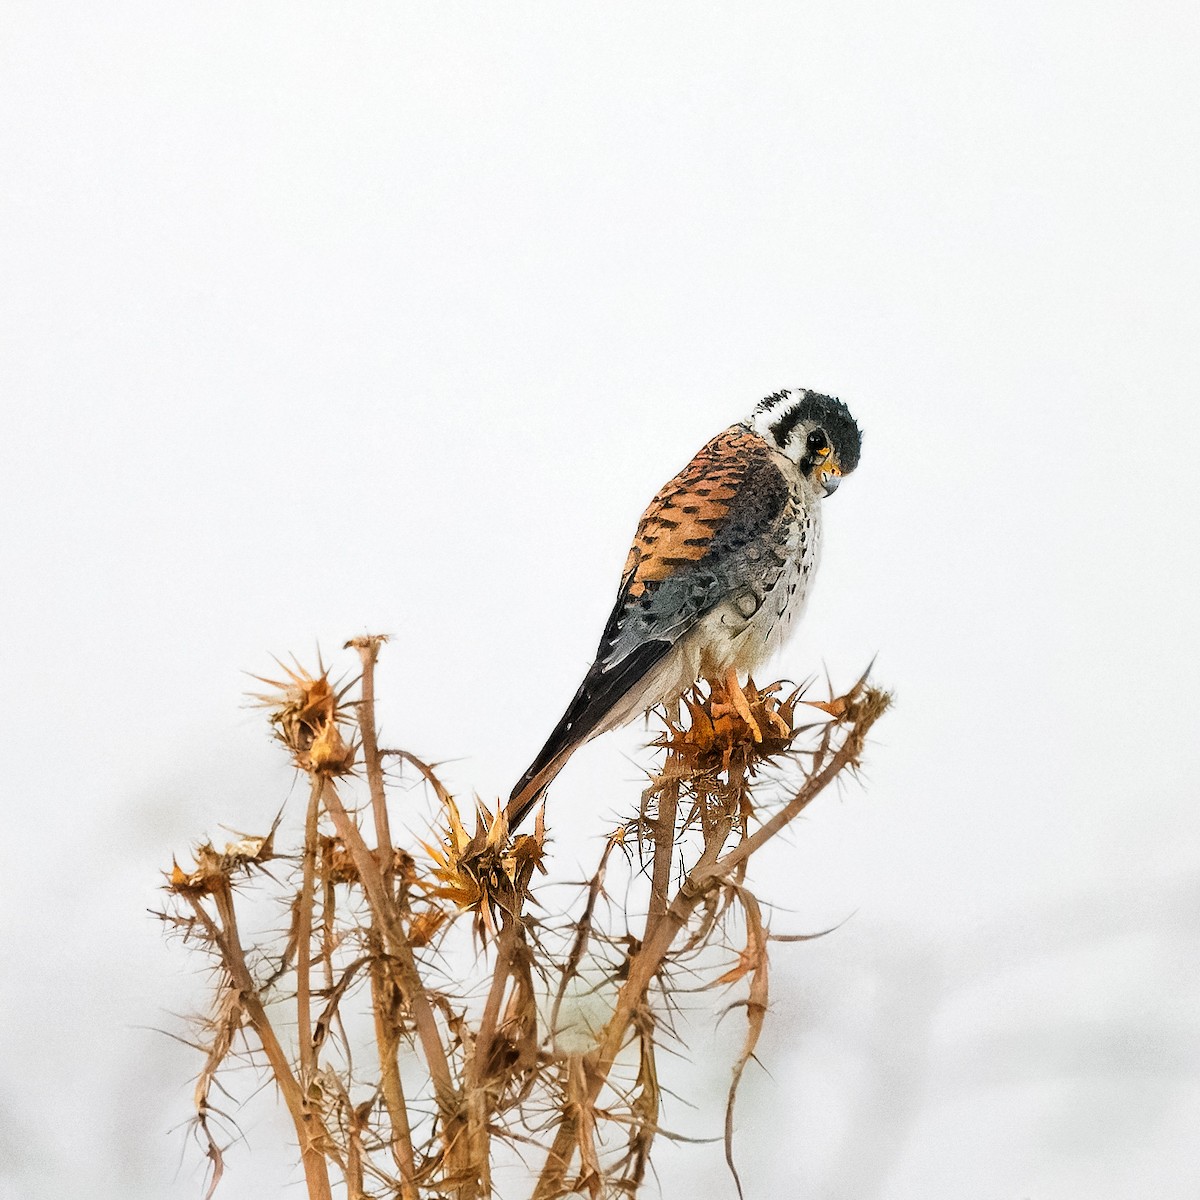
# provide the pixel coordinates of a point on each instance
(742, 705)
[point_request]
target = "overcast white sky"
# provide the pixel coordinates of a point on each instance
(327, 318)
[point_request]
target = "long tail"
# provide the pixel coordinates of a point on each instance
(527, 795)
(569, 734)
(588, 714)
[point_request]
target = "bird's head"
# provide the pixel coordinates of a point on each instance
(816, 432)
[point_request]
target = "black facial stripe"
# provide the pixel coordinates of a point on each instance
(781, 430)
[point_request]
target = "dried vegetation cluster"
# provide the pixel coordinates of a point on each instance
(412, 1062)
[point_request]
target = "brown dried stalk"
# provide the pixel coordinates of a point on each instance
(487, 1070)
(223, 934)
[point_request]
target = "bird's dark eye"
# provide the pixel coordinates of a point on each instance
(817, 441)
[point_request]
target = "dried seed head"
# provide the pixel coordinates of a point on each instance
(330, 753)
(337, 864)
(215, 869)
(306, 712)
(485, 873)
(737, 729)
(425, 924)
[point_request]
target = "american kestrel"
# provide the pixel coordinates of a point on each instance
(719, 571)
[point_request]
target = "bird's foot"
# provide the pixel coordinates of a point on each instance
(741, 704)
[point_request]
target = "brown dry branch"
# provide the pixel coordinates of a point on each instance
(421, 1055)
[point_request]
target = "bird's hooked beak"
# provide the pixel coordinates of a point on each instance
(829, 475)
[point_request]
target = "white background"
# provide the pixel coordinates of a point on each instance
(319, 319)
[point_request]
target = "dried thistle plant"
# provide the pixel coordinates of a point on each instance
(411, 1066)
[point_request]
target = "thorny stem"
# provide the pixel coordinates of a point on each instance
(387, 1036)
(398, 945)
(309, 1131)
(481, 1053)
(583, 932)
(368, 653)
(552, 1181)
(664, 852)
(304, 923)
(712, 868)
(756, 1012)
(354, 1155)
(491, 1010)
(846, 755)
(387, 1040)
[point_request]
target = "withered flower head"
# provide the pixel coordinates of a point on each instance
(215, 869)
(484, 872)
(306, 712)
(732, 728)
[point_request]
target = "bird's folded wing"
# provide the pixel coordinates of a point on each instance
(708, 532)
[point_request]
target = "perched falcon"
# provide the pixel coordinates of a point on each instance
(719, 570)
